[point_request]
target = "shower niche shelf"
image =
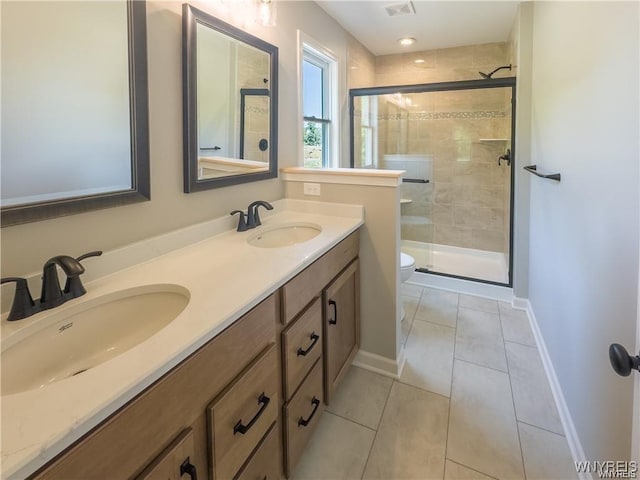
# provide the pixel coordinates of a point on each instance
(493, 140)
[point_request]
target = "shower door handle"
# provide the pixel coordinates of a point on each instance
(621, 361)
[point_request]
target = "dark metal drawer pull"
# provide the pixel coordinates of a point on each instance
(240, 428)
(316, 403)
(314, 340)
(188, 468)
(335, 312)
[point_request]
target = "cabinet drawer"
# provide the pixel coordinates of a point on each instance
(301, 416)
(264, 464)
(301, 289)
(302, 347)
(174, 462)
(243, 414)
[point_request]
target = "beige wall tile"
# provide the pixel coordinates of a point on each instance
(490, 240)
(457, 236)
(478, 217)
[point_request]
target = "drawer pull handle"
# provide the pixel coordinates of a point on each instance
(335, 312)
(188, 468)
(316, 403)
(240, 428)
(314, 340)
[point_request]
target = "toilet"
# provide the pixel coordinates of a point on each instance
(407, 267)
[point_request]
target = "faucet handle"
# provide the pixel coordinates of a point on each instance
(95, 253)
(23, 304)
(73, 286)
(242, 224)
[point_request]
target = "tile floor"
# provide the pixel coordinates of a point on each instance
(473, 402)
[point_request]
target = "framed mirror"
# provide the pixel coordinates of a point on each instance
(230, 83)
(75, 133)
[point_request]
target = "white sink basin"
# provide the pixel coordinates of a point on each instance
(284, 235)
(66, 343)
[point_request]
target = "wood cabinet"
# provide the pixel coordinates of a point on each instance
(135, 437)
(241, 416)
(174, 462)
(265, 462)
(302, 347)
(321, 314)
(245, 405)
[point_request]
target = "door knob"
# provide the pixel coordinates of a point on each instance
(621, 361)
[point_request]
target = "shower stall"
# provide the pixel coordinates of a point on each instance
(455, 142)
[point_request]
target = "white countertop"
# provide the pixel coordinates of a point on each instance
(225, 276)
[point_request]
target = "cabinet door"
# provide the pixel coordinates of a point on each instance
(174, 463)
(341, 326)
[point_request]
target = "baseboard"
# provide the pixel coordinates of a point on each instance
(459, 285)
(379, 364)
(575, 446)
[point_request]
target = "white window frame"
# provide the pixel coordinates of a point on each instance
(370, 126)
(311, 50)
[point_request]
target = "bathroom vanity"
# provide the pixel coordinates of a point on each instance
(244, 403)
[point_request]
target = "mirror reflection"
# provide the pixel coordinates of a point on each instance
(230, 118)
(68, 107)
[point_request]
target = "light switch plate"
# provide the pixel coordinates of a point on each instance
(312, 189)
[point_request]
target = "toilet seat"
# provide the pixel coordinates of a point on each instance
(406, 261)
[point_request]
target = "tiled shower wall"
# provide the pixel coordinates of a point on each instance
(467, 201)
(463, 135)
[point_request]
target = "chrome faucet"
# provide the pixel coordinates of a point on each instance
(51, 294)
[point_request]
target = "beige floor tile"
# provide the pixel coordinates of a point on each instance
(438, 306)
(478, 303)
(531, 392)
(429, 353)
(411, 290)
(361, 397)
(410, 305)
(338, 450)
(405, 328)
(479, 339)
(546, 455)
(455, 471)
(483, 434)
(515, 325)
(411, 439)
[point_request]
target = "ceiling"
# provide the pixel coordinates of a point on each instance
(435, 24)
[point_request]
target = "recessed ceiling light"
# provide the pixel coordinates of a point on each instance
(418, 61)
(406, 41)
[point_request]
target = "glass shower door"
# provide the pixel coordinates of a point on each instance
(455, 146)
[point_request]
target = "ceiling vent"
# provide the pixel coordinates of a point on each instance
(399, 9)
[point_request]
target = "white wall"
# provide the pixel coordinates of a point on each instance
(26, 247)
(583, 280)
(521, 58)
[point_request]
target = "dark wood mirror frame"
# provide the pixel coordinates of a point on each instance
(139, 127)
(191, 17)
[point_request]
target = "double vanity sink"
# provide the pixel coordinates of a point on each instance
(67, 369)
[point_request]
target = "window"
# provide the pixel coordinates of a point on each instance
(319, 130)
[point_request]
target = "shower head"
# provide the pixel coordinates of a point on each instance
(489, 75)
